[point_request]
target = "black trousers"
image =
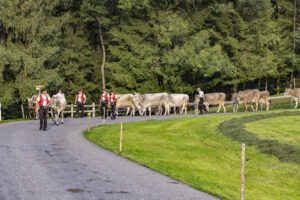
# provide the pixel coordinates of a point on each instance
(43, 112)
(202, 107)
(80, 106)
(103, 108)
(113, 109)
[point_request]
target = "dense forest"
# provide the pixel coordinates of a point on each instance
(146, 46)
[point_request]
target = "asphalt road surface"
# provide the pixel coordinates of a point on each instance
(61, 164)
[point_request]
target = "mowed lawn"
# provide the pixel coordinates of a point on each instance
(192, 151)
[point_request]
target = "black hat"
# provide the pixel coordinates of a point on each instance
(43, 90)
(59, 89)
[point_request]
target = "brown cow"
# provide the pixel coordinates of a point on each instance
(294, 94)
(247, 97)
(125, 101)
(213, 99)
(264, 99)
(33, 106)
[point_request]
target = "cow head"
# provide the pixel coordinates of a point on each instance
(287, 92)
(30, 103)
(138, 102)
(235, 97)
(53, 103)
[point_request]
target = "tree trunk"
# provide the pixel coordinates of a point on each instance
(266, 87)
(258, 84)
(277, 85)
(234, 89)
(294, 38)
(103, 54)
(294, 27)
(292, 77)
(244, 85)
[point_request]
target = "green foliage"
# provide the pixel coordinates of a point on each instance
(151, 46)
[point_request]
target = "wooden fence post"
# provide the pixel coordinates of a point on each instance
(94, 110)
(196, 109)
(72, 110)
(22, 109)
(150, 111)
(121, 137)
(242, 172)
(89, 128)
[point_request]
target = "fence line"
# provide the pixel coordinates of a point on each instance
(0, 112)
(72, 111)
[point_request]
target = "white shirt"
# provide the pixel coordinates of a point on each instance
(201, 94)
(103, 96)
(79, 97)
(44, 99)
(59, 94)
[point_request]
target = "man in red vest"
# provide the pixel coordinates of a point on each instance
(59, 93)
(43, 101)
(80, 101)
(104, 100)
(113, 104)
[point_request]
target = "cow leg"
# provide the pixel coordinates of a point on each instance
(52, 116)
(149, 108)
(224, 108)
(256, 106)
(246, 107)
(219, 108)
(252, 107)
(56, 118)
(296, 103)
(181, 110)
(133, 111)
(62, 117)
(267, 105)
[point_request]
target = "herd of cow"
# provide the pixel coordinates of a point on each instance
(165, 102)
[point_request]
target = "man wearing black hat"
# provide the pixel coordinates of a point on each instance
(43, 101)
(80, 101)
(103, 103)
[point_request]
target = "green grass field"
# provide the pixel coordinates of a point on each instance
(194, 151)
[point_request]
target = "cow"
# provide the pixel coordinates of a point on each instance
(125, 101)
(57, 105)
(213, 99)
(158, 100)
(247, 97)
(294, 94)
(264, 99)
(178, 100)
(33, 106)
(236, 103)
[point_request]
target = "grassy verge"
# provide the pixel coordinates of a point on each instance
(11, 120)
(193, 151)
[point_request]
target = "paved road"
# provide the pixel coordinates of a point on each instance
(61, 164)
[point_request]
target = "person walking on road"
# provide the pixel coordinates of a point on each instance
(43, 101)
(113, 104)
(59, 92)
(80, 101)
(104, 99)
(202, 107)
